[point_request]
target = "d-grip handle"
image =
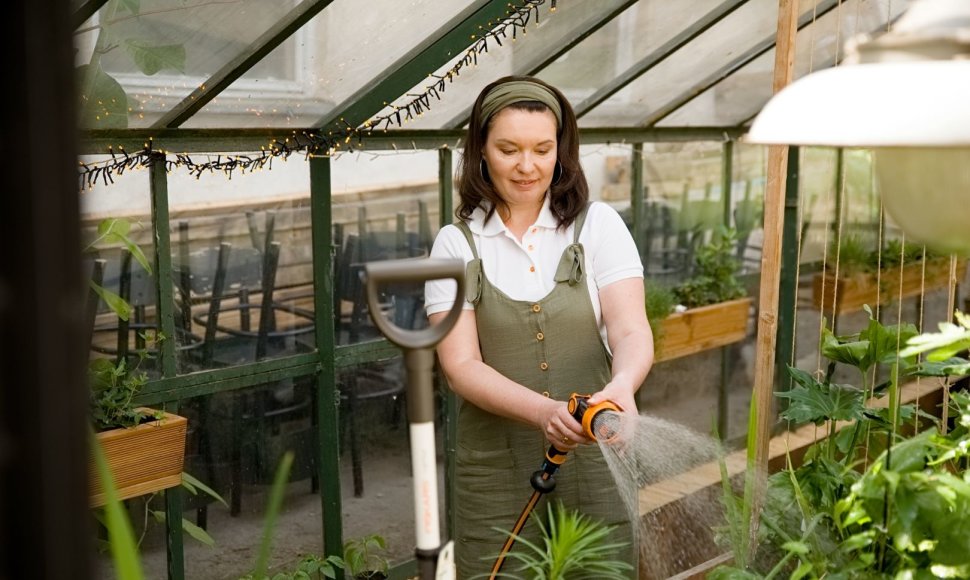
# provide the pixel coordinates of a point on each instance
(377, 273)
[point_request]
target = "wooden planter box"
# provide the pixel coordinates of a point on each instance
(707, 327)
(143, 459)
(856, 291)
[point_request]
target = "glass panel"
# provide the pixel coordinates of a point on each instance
(740, 96)
(338, 52)
(638, 31)
(242, 260)
(385, 206)
(752, 22)
(154, 57)
(519, 57)
(608, 172)
(750, 167)
(683, 205)
(123, 205)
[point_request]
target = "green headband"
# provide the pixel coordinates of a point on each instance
(515, 92)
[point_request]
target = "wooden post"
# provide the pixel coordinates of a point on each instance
(771, 254)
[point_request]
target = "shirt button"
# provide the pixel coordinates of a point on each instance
(540, 336)
(531, 247)
(536, 308)
(544, 366)
(532, 268)
(534, 230)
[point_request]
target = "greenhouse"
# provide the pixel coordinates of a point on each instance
(219, 362)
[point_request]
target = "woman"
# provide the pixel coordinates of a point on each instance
(555, 305)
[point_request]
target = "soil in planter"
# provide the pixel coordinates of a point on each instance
(656, 450)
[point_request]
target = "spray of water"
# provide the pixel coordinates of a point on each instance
(644, 460)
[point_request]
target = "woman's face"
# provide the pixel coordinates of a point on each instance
(521, 154)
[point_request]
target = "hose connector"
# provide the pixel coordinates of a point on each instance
(601, 422)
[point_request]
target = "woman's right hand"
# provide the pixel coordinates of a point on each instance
(559, 427)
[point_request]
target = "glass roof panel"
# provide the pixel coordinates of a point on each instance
(740, 96)
(640, 30)
(154, 57)
(733, 36)
(339, 51)
(519, 57)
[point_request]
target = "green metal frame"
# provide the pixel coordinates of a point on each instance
(662, 52)
(328, 396)
(238, 66)
(787, 295)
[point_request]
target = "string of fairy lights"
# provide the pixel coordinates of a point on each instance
(311, 141)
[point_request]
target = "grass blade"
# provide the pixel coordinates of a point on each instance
(272, 513)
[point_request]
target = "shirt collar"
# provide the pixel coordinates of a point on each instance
(495, 226)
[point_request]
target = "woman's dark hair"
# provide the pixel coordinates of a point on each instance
(568, 196)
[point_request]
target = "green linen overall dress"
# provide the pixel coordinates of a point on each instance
(552, 346)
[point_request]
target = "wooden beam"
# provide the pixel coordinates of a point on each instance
(774, 206)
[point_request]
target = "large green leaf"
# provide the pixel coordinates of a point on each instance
(152, 59)
(846, 350)
(194, 485)
(106, 106)
(815, 402)
(115, 231)
(116, 303)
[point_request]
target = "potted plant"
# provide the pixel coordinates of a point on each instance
(885, 493)
(712, 308)
(144, 448)
(571, 545)
(868, 276)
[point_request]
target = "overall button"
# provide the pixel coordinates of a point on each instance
(536, 308)
(532, 268)
(540, 336)
(544, 366)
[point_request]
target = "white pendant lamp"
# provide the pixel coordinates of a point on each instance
(906, 95)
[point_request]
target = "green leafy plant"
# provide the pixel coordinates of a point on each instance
(715, 278)
(851, 254)
(871, 500)
(114, 385)
(857, 255)
(363, 559)
(572, 546)
(660, 302)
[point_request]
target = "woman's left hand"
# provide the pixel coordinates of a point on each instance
(622, 396)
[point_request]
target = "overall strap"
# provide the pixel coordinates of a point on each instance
(473, 270)
(463, 227)
(580, 221)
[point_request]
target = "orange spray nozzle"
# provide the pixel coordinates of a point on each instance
(601, 422)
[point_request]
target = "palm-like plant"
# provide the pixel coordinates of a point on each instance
(573, 546)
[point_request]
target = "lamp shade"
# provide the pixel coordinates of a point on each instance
(894, 104)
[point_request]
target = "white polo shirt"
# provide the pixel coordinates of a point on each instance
(525, 271)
